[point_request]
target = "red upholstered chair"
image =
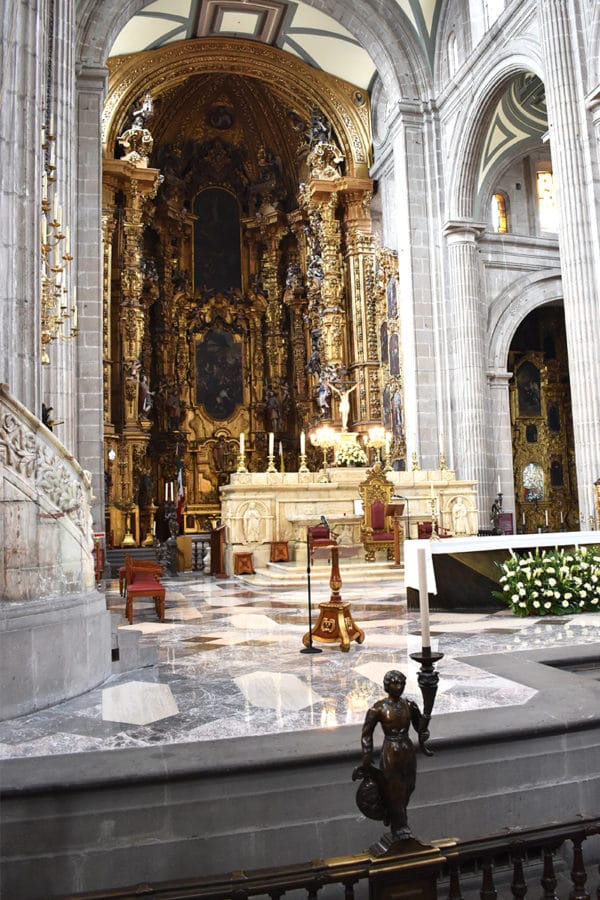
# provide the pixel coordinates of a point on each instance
(377, 531)
(320, 537)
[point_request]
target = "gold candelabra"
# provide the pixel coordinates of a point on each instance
(324, 437)
(58, 314)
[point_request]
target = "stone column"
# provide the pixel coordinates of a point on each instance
(499, 412)
(91, 85)
(467, 326)
(23, 36)
(424, 346)
(571, 138)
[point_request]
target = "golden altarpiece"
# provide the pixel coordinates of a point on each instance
(544, 464)
(242, 281)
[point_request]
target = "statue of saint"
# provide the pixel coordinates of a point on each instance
(384, 792)
(252, 523)
(459, 517)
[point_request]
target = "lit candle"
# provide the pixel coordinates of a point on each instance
(280, 448)
(546, 516)
(242, 443)
(423, 597)
(499, 485)
(302, 443)
(271, 443)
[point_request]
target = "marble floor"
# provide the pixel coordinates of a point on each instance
(227, 663)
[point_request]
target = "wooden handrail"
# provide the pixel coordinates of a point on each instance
(350, 870)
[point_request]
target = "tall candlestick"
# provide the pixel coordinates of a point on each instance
(242, 443)
(423, 597)
(271, 443)
(302, 443)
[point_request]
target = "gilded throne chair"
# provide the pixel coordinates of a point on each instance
(377, 530)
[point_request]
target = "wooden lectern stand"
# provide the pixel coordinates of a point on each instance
(335, 624)
(396, 510)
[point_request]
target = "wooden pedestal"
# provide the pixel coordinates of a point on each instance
(242, 564)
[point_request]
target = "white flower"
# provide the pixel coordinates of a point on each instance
(552, 582)
(514, 598)
(536, 604)
(547, 605)
(565, 603)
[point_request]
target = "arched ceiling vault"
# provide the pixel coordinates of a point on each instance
(296, 86)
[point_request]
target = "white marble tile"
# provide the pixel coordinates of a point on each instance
(250, 622)
(183, 613)
(150, 627)
(138, 703)
(276, 690)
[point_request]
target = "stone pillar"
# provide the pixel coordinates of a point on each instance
(23, 34)
(91, 85)
(424, 346)
(571, 138)
(499, 413)
(467, 359)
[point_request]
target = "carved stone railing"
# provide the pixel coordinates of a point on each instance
(45, 511)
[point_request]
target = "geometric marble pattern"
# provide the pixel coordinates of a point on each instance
(226, 663)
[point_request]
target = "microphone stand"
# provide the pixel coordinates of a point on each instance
(310, 648)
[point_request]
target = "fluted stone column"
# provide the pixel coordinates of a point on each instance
(467, 375)
(22, 36)
(573, 164)
(499, 414)
(91, 84)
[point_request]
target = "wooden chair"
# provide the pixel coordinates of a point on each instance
(141, 583)
(147, 565)
(377, 530)
(320, 537)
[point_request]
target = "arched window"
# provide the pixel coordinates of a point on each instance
(452, 51)
(499, 213)
(546, 200)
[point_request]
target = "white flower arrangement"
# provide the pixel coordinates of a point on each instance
(350, 455)
(568, 580)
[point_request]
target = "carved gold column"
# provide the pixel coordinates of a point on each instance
(360, 281)
(272, 230)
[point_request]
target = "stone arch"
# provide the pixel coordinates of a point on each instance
(390, 43)
(512, 306)
(463, 164)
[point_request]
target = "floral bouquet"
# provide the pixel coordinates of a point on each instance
(350, 455)
(551, 582)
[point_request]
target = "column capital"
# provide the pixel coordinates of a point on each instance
(463, 230)
(498, 378)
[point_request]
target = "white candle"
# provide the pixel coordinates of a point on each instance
(166, 491)
(280, 448)
(523, 518)
(302, 443)
(44, 229)
(423, 597)
(499, 485)
(546, 516)
(242, 443)
(561, 517)
(271, 443)
(67, 241)
(441, 443)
